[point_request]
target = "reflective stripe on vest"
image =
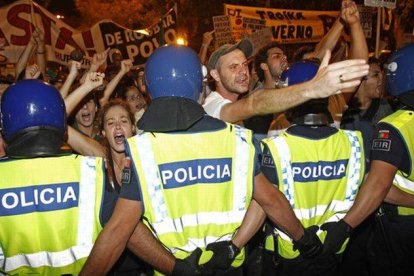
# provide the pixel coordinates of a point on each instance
(352, 182)
(87, 193)
(164, 224)
(403, 182)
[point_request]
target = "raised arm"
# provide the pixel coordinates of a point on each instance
(126, 66)
(92, 81)
(98, 60)
(328, 42)
(24, 58)
(32, 72)
(84, 144)
(39, 37)
(359, 47)
(73, 73)
(207, 38)
(330, 79)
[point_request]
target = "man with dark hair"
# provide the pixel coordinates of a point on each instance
(229, 69)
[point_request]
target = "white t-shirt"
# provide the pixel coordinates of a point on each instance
(213, 104)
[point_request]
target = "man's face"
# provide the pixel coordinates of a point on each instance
(277, 62)
(374, 82)
(233, 72)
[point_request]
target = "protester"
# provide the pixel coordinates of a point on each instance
(228, 67)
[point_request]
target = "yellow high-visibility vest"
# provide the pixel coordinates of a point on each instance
(196, 187)
(49, 213)
(320, 179)
(403, 121)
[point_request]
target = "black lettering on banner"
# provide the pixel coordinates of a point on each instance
(279, 15)
(137, 46)
(292, 32)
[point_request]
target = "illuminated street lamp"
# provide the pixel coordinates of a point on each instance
(181, 41)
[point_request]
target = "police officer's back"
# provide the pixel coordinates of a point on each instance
(49, 199)
(319, 169)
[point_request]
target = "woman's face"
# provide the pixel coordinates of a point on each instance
(117, 127)
(135, 99)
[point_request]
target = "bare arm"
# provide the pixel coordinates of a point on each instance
(143, 244)
(325, 83)
(328, 42)
(97, 60)
(252, 222)
(84, 144)
(372, 192)
(39, 36)
(277, 208)
(73, 73)
(399, 197)
(207, 38)
(114, 237)
(359, 47)
(126, 65)
(24, 58)
(92, 81)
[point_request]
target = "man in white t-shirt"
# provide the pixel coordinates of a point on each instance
(228, 67)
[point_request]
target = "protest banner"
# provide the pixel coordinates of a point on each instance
(366, 15)
(390, 4)
(18, 20)
(287, 26)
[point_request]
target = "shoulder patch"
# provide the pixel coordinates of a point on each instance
(126, 172)
(383, 134)
(267, 160)
(381, 144)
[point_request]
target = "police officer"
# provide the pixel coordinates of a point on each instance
(319, 169)
(391, 176)
(196, 177)
(49, 199)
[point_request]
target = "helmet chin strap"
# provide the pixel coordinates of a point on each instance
(320, 119)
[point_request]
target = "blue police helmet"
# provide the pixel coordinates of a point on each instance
(299, 72)
(30, 104)
(313, 112)
(174, 70)
(400, 71)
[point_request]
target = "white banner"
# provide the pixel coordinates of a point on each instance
(287, 26)
(18, 20)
